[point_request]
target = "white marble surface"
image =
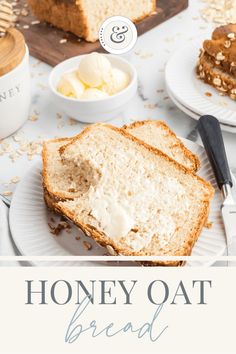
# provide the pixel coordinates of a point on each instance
(149, 56)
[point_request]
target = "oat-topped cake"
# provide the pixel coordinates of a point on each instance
(84, 17)
(217, 60)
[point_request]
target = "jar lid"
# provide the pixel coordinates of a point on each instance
(12, 50)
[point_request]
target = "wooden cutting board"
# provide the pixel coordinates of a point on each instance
(52, 45)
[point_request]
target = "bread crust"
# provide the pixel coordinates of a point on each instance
(69, 16)
(46, 185)
(188, 154)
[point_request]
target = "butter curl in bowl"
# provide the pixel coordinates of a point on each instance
(93, 87)
(95, 78)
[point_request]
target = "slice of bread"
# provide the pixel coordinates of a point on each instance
(159, 135)
(84, 17)
(132, 197)
(217, 60)
(57, 178)
(215, 76)
(154, 133)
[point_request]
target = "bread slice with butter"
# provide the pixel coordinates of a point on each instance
(132, 197)
(157, 134)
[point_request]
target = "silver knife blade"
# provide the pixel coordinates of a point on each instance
(229, 217)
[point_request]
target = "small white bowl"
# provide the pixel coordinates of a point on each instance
(91, 111)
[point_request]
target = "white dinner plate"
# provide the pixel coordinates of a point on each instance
(189, 91)
(29, 219)
(225, 127)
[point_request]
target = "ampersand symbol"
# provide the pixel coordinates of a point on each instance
(118, 34)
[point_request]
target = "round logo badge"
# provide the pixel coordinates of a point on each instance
(117, 35)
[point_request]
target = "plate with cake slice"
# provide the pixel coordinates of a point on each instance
(201, 76)
(135, 191)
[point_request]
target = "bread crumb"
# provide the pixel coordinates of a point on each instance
(208, 94)
(26, 26)
(72, 121)
(62, 41)
(87, 245)
(34, 117)
(56, 230)
(208, 224)
(77, 238)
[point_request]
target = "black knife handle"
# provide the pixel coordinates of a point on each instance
(210, 132)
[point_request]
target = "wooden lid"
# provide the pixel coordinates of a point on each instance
(12, 49)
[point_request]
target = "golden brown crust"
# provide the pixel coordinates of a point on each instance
(57, 196)
(188, 154)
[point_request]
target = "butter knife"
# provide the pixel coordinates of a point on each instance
(210, 132)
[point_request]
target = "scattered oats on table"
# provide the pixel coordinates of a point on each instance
(36, 22)
(37, 63)
(219, 11)
(151, 105)
(143, 55)
(15, 179)
(7, 193)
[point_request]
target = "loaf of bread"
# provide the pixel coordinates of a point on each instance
(217, 60)
(127, 195)
(84, 17)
